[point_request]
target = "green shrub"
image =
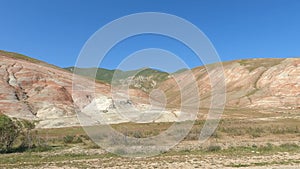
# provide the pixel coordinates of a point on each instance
(137, 134)
(267, 147)
(72, 139)
(9, 132)
(40, 148)
(255, 132)
(17, 136)
(290, 146)
(68, 139)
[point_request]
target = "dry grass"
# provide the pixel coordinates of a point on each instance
(236, 134)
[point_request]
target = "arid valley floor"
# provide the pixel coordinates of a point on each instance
(261, 141)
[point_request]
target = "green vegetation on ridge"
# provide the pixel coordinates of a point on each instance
(107, 76)
(26, 58)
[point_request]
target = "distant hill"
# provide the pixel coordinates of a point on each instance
(250, 83)
(144, 79)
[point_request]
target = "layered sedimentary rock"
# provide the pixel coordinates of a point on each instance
(253, 83)
(35, 90)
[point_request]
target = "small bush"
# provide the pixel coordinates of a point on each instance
(289, 146)
(255, 135)
(255, 132)
(216, 135)
(41, 148)
(93, 146)
(214, 148)
(68, 139)
(86, 137)
(72, 139)
(268, 147)
(137, 134)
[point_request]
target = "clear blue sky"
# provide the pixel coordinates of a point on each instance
(55, 30)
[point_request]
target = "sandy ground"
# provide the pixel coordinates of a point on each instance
(188, 162)
(282, 160)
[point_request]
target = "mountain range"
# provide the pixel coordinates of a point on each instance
(44, 93)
